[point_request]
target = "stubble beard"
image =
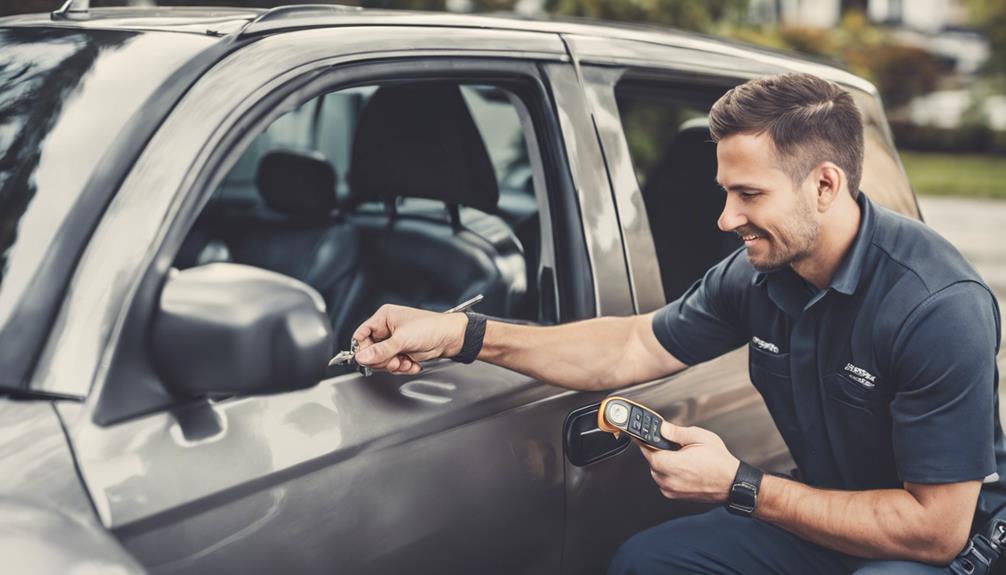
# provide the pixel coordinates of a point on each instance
(793, 244)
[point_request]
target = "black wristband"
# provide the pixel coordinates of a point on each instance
(474, 334)
(743, 498)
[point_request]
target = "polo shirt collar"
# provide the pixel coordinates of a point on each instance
(846, 279)
(785, 286)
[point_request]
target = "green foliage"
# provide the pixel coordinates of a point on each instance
(903, 72)
(973, 138)
(989, 16)
(899, 72)
(956, 174)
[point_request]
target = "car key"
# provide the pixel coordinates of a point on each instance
(344, 357)
(619, 415)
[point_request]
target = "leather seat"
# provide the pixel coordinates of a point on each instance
(300, 234)
(415, 143)
(683, 202)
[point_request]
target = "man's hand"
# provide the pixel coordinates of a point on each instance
(702, 470)
(397, 338)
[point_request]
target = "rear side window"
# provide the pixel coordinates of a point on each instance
(667, 131)
(674, 158)
(419, 194)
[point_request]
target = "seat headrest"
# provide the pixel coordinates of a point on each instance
(296, 183)
(694, 134)
(420, 141)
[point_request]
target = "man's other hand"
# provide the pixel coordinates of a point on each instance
(397, 338)
(702, 470)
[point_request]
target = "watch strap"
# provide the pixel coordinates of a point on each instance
(743, 496)
(475, 332)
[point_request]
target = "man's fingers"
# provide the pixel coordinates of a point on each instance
(375, 328)
(379, 354)
(687, 435)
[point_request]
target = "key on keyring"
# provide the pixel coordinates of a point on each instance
(344, 357)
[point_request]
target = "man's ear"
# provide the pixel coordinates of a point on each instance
(829, 182)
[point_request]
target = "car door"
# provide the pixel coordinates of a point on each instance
(675, 85)
(459, 469)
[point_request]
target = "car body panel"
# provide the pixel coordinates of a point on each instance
(47, 523)
(326, 477)
(36, 464)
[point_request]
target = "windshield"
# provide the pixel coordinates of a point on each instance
(65, 95)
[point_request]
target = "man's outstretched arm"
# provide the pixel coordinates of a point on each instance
(602, 353)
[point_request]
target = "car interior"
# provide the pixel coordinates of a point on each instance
(418, 194)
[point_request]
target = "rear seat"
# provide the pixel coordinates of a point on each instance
(683, 203)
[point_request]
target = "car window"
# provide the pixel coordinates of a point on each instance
(56, 126)
(674, 158)
(417, 193)
(883, 178)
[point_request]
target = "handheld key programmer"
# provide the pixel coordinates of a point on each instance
(619, 415)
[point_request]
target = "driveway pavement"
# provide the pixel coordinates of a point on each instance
(976, 227)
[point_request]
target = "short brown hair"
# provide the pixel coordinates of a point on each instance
(810, 120)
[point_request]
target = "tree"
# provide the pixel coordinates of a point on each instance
(989, 16)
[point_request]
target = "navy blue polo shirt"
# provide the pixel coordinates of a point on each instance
(886, 376)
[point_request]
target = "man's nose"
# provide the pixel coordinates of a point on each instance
(730, 218)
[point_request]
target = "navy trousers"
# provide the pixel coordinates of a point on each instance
(717, 542)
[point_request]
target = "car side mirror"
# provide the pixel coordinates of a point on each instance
(226, 329)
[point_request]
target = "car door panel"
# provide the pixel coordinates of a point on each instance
(353, 473)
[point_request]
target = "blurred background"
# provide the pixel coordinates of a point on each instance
(940, 66)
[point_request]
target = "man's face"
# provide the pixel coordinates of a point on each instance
(776, 218)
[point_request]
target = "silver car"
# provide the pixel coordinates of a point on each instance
(198, 206)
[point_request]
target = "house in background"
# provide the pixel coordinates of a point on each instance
(940, 27)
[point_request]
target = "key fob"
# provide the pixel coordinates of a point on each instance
(619, 415)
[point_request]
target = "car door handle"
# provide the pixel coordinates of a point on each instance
(585, 443)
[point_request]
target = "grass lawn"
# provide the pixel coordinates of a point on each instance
(956, 174)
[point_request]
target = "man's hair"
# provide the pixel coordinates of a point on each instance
(809, 119)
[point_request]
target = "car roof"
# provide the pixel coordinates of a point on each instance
(250, 22)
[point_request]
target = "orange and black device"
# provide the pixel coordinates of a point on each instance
(619, 415)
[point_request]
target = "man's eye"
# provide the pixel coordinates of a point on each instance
(749, 195)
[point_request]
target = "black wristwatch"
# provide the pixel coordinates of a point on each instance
(743, 496)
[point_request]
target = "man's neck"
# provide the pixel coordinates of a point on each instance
(835, 239)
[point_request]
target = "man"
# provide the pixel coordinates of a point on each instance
(871, 339)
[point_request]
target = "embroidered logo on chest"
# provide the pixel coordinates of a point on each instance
(765, 345)
(861, 375)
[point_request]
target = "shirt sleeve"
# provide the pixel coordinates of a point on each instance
(707, 321)
(943, 412)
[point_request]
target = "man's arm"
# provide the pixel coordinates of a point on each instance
(602, 353)
(922, 522)
(928, 523)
